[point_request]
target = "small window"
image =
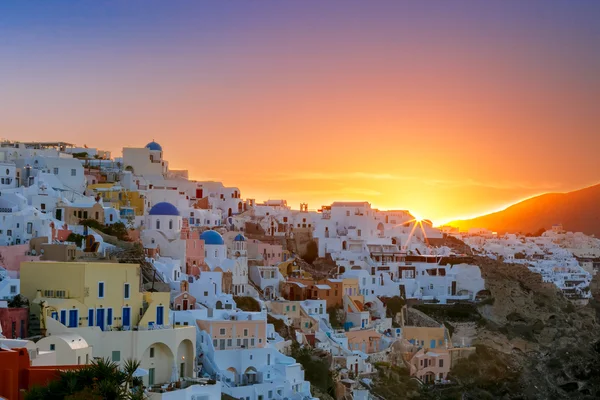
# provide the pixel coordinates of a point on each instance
(116, 356)
(55, 171)
(229, 342)
(151, 352)
(100, 290)
(52, 347)
(126, 291)
(245, 332)
(73, 172)
(441, 363)
(205, 293)
(222, 331)
(252, 342)
(239, 342)
(13, 289)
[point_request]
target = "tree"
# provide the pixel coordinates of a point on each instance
(312, 252)
(19, 301)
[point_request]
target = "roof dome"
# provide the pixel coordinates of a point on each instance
(212, 237)
(240, 238)
(164, 208)
(154, 146)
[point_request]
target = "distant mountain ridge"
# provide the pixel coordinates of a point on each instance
(577, 211)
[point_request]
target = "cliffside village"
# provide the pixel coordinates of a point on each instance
(125, 258)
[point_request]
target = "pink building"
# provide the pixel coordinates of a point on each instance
(430, 365)
(272, 254)
(194, 250)
(11, 258)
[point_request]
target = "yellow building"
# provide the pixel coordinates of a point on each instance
(103, 303)
(118, 197)
(106, 295)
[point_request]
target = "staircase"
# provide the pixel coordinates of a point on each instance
(261, 295)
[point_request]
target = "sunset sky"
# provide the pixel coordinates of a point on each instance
(448, 109)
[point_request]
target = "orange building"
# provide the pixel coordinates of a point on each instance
(17, 374)
(331, 290)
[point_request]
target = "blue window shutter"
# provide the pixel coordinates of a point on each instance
(109, 318)
(63, 317)
(91, 317)
(100, 289)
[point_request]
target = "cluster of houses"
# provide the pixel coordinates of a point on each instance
(566, 259)
(173, 292)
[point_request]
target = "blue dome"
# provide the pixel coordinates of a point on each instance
(240, 238)
(154, 146)
(212, 237)
(164, 208)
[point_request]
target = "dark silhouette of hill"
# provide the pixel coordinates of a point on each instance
(577, 211)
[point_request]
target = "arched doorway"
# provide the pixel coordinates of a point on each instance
(250, 376)
(344, 245)
(159, 361)
(240, 207)
(219, 305)
(232, 375)
(229, 213)
(381, 229)
(185, 359)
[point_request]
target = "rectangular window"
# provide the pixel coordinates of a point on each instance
(245, 332)
(55, 171)
(126, 291)
(91, 317)
(229, 342)
(239, 342)
(287, 308)
(222, 331)
(73, 172)
(116, 356)
(441, 363)
(100, 290)
(205, 293)
(29, 227)
(252, 342)
(13, 289)
(151, 352)
(109, 317)
(293, 308)
(215, 343)
(52, 347)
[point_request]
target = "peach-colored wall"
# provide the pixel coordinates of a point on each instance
(370, 338)
(11, 257)
(236, 330)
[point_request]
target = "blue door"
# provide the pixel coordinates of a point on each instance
(432, 343)
(63, 317)
(55, 315)
(91, 317)
(126, 316)
(73, 319)
(100, 318)
(160, 316)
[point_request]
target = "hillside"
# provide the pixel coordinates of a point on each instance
(577, 211)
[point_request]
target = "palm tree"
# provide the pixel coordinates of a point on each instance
(101, 380)
(129, 367)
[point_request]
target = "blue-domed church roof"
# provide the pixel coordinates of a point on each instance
(154, 146)
(164, 208)
(240, 238)
(212, 237)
